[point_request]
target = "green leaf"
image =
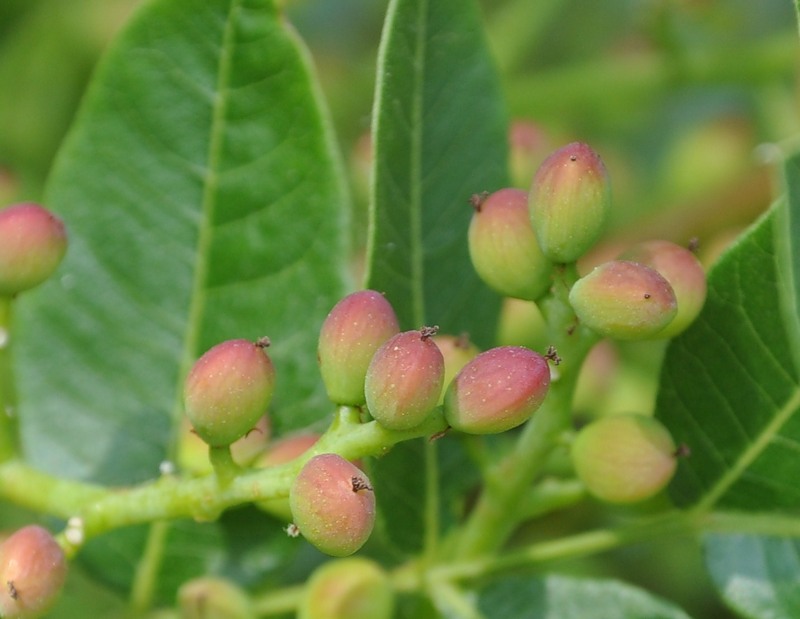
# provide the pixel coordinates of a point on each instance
(756, 576)
(729, 387)
(204, 201)
(401, 496)
(440, 136)
(560, 597)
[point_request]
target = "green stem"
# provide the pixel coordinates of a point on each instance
(579, 545)
(279, 602)
(9, 432)
(148, 568)
(99, 509)
(221, 460)
(431, 499)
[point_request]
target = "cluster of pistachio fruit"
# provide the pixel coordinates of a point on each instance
(397, 378)
(654, 290)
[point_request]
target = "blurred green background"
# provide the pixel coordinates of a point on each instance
(682, 98)
(689, 102)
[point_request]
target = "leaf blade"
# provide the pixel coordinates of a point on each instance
(729, 388)
(180, 185)
(440, 136)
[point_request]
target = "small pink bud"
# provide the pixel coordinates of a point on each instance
(624, 300)
(32, 243)
(681, 268)
(354, 329)
(569, 202)
(404, 380)
(496, 391)
(503, 247)
(333, 505)
(228, 390)
(33, 569)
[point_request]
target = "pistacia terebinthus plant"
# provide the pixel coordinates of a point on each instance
(210, 597)
(404, 379)
(503, 247)
(681, 268)
(496, 391)
(33, 569)
(624, 300)
(228, 389)
(33, 242)
(353, 330)
(333, 505)
(624, 458)
(349, 588)
(569, 202)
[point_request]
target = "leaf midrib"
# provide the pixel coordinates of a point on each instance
(208, 206)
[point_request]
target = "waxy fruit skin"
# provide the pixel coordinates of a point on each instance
(404, 380)
(569, 202)
(354, 329)
(33, 242)
(33, 569)
(498, 390)
(503, 247)
(681, 268)
(624, 300)
(333, 505)
(350, 588)
(624, 458)
(228, 390)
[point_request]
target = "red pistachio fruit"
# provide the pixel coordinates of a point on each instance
(228, 390)
(33, 569)
(496, 391)
(624, 458)
(32, 243)
(569, 202)
(404, 380)
(353, 330)
(503, 247)
(681, 268)
(333, 505)
(624, 300)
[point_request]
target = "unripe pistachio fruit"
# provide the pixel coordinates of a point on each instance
(503, 246)
(681, 268)
(496, 391)
(33, 242)
(569, 202)
(404, 379)
(33, 569)
(228, 390)
(624, 300)
(353, 330)
(351, 588)
(624, 458)
(214, 598)
(333, 505)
